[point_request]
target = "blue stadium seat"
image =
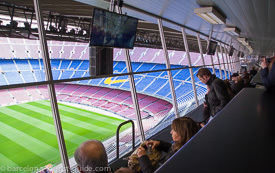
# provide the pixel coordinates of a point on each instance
(182, 75)
(55, 63)
(56, 74)
(96, 81)
(66, 74)
(28, 76)
(7, 65)
(145, 67)
(78, 74)
(74, 65)
(119, 67)
(35, 64)
(157, 84)
(146, 83)
(135, 65)
(84, 65)
(159, 67)
(183, 89)
(40, 75)
(65, 64)
(13, 77)
(22, 64)
(143, 83)
(2, 80)
(166, 89)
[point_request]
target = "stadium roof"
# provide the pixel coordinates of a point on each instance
(253, 18)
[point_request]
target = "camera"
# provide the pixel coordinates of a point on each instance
(149, 149)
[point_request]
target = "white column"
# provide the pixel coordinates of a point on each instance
(133, 90)
(190, 64)
(134, 94)
(167, 62)
(51, 89)
(221, 50)
(220, 70)
(200, 48)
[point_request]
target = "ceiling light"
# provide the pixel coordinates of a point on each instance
(232, 31)
(246, 44)
(210, 14)
(241, 39)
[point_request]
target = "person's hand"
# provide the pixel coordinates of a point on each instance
(153, 143)
(264, 64)
(205, 105)
(141, 151)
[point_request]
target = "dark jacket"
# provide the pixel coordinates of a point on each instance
(145, 163)
(268, 78)
(237, 87)
(217, 96)
(253, 73)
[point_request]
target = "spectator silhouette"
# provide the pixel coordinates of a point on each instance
(268, 74)
(183, 129)
(91, 157)
(238, 83)
(217, 96)
(253, 72)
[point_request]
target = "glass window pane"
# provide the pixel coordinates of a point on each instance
(28, 137)
(92, 112)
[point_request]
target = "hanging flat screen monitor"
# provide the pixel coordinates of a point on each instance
(231, 51)
(211, 48)
(113, 30)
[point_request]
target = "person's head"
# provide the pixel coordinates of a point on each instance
(204, 75)
(183, 129)
(234, 76)
(90, 156)
(239, 79)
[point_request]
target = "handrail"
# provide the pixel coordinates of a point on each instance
(117, 136)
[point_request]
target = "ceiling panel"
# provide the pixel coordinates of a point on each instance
(261, 11)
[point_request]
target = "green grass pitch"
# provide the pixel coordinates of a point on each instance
(28, 137)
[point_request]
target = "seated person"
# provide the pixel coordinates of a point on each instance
(183, 129)
(91, 157)
(246, 79)
(238, 83)
(253, 72)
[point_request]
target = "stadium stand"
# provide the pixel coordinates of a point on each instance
(70, 60)
(23, 71)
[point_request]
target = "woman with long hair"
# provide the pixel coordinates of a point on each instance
(183, 129)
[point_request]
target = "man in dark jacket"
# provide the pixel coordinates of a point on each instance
(268, 74)
(217, 95)
(237, 83)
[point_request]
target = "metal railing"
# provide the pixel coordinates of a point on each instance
(117, 136)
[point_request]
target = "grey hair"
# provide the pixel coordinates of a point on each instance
(91, 155)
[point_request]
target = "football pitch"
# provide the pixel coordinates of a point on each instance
(28, 137)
